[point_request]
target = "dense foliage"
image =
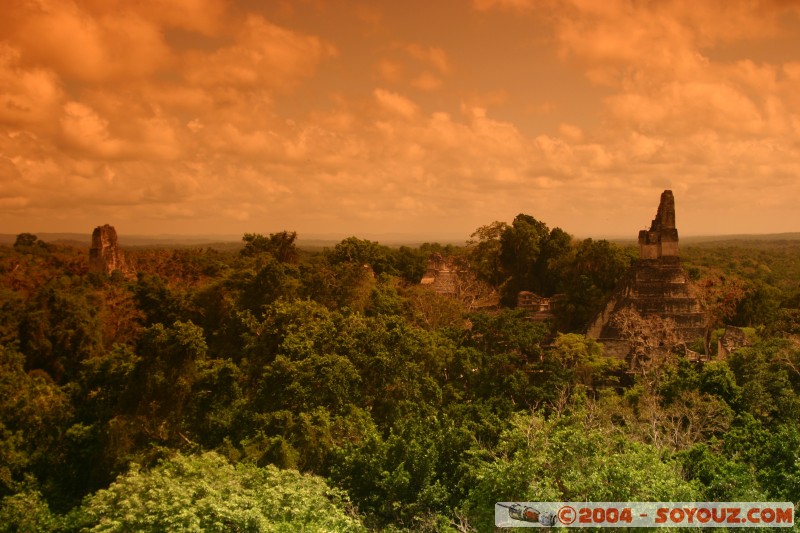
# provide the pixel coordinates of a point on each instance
(275, 389)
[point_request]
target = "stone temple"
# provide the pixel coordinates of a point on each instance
(656, 286)
(105, 256)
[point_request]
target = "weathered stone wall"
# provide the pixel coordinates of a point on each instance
(105, 256)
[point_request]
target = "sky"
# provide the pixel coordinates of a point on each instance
(405, 117)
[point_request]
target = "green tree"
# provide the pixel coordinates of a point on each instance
(773, 453)
(529, 255)
(337, 285)
(206, 493)
(759, 306)
(768, 375)
(35, 414)
(25, 240)
(268, 282)
(723, 479)
(718, 296)
(502, 361)
(160, 301)
(520, 247)
(26, 511)
(409, 263)
(588, 276)
(59, 329)
(280, 245)
(363, 252)
(484, 249)
(585, 358)
(407, 476)
(563, 459)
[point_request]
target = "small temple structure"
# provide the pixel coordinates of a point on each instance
(540, 308)
(656, 286)
(440, 275)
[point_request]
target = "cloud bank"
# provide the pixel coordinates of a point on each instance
(205, 116)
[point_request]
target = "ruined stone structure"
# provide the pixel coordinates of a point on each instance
(539, 308)
(656, 286)
(733, 339)
(105, 256)
(661, 240)
(440, 275)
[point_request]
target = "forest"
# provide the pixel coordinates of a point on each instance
(274, 388)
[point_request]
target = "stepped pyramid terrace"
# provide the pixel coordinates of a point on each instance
(656, 289)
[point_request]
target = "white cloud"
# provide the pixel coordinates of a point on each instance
(395, 103)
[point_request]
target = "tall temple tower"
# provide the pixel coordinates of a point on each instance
(661, 240)
(105, 256)
(656, 285)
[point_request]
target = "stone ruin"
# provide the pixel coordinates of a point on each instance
(661, 240)
(440, 275)
(539, 308)
(657, 288)
(105, 256)
(732, 339)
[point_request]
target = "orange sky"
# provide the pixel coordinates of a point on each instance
(421, 117)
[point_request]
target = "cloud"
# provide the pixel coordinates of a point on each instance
(421, 67)
(85, 130)
(67, 38)
(433, 55)
(391, 71)
(250, 118)
(263, 54)
(206, 17)
(516, 5)
(426, 82)
(28, 96)
(395, 103)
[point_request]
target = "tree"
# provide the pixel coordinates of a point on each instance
(206, 493)
(35, 414)
(724, 479)
(363, 252)
(758, 306)
(587, 277)
(563, 459)
(26, 511)
(585, 358)
(472, 292)
(529, 256)
(718, 296)
(25, 240)
(280, 245)
(433, 311)
(408, 475)
(410, 263)
(520, 247)
(170, 363)
(59, 329)
(160, 302)
(271, 281)
(484, 248)
(651, 340)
